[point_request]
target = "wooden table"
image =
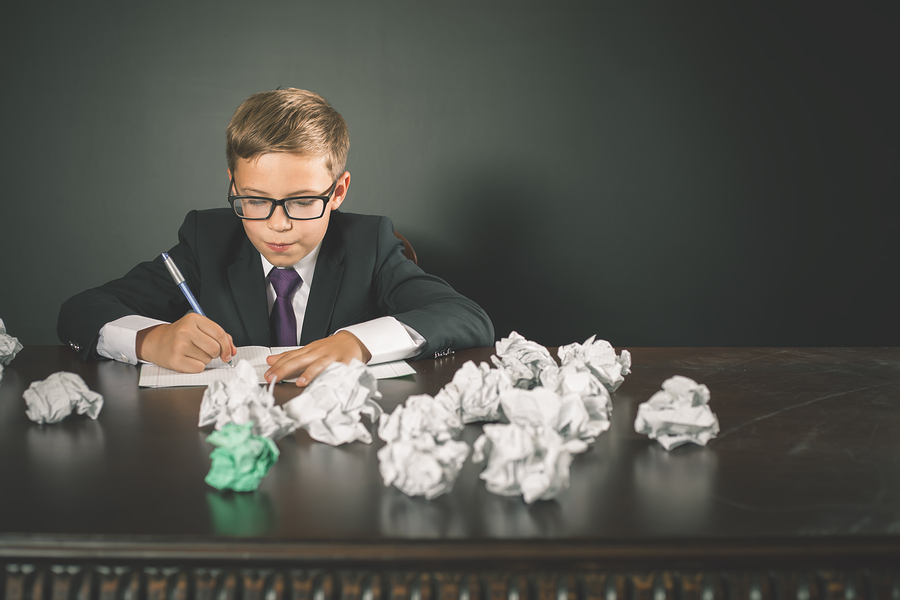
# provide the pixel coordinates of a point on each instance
(798, 496)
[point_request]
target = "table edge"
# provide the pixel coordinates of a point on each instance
(864, 548)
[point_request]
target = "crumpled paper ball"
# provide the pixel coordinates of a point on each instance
(533, 462)
(474, 392)
(541, 408)
(53, 399)
(330, 408)
(522, 359)
(9, 346)
(241, 399)
(421, 466)
(678, 414)
(576, 378)
(600, 357)
(240, 459)
(420, 414)
(421, 457)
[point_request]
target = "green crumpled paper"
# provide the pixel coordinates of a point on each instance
(241, 459)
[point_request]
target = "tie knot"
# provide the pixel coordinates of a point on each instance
(285, 281)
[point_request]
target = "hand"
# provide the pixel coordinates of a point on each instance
(310, 360)
(187, 345)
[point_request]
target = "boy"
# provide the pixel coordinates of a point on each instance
(281, 266)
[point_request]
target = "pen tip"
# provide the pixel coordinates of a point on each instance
(165, 256)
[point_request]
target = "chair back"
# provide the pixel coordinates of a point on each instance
(408, 250)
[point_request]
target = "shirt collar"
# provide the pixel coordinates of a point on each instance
(305, 267)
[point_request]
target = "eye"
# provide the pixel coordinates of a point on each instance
(250, 202)
(301, 203)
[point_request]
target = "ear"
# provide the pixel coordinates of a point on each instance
(340, 190)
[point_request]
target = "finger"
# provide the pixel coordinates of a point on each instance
(186, 364)
(284, 357)
(192, 359)
(215, 331)
(289, 366)
(281, 372)
(272, 360)
(205, 347)
(223, 340)
(186, 343)
(312, 371)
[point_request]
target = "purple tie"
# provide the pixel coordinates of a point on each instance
(282, 322)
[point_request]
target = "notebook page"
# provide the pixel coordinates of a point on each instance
(160, 377)
(155, 376)
(397, 368)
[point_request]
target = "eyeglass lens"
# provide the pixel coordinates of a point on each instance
(259, 208)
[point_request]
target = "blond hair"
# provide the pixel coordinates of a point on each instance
(289, 120)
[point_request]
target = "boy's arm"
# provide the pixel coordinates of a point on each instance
(447, 320)
(307, 362)
(118, 338)
(147, 290)
(377, 341)
(187, 345)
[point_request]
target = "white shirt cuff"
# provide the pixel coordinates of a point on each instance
(117, 338)
(387, 339)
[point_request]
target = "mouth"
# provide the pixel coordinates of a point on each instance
(279, 247)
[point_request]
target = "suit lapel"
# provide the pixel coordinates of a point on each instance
(248, 288)
(326, 282)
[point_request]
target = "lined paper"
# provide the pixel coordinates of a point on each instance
(160, 377)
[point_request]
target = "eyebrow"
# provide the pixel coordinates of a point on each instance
(256, 192)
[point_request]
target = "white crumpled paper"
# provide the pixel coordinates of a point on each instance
(533, 462)
(330, 408)
(241, 399)
(600, 357)
(9, 347)
(540, 408)
(522, 359)
(421, 457)
(576, 378)
(420, 466)
(474, 392)
(678, 414)
(419, 415)
(53, 399)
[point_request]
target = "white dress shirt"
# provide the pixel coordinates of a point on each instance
(385, 338)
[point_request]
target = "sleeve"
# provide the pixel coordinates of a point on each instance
(147, 290)
(118, 338)
(445, 318)
(387, 339)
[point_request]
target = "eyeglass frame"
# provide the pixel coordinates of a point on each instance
(276, 203)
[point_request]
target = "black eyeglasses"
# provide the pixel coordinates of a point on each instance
(299, 208)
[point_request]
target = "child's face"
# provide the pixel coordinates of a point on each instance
(278, 175)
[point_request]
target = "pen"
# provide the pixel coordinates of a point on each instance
(183, 286)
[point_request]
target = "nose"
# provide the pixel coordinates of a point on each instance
(279, 220)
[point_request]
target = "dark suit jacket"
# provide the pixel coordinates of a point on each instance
(361, 274)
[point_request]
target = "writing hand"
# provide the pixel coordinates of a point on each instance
(310, 360)
(187, 345)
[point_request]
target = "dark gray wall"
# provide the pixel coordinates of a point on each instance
(656, 173)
